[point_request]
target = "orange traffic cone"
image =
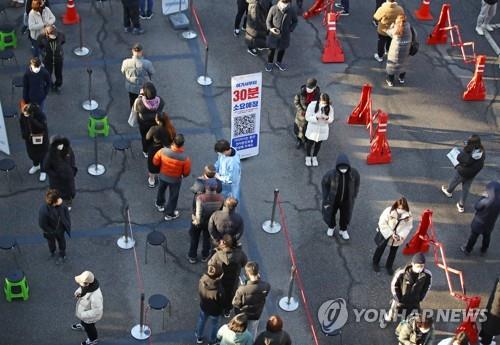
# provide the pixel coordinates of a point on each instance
(420, 241)
(71, 16)
(424, 12)
(314, 9)
(469, 324)
(439, 34)
(476, 91)
(380, 152)
(363, 111)
(332, 52)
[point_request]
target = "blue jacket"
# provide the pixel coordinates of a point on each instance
(487, 209)
(35, 85)
(229, 170)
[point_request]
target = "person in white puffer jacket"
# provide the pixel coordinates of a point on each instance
(319, 116)
(394, 225)
(89, 306)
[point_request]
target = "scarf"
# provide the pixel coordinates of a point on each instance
(151, 104)
(90, 288)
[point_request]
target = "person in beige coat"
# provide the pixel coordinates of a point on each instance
(319, 116)
(394, 225)
(385, 16)
(89, 306)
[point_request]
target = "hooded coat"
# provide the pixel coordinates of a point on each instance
(470, 163)
(61, 168)
(492, 324)
(250, 299)
(410, 288)
(211, 293)
(409, 334)
(399, 50)
(300, 102)
(256, 29)
(318, 124)
(285, 21)
(35, 124)
(330, 184)
(89, 307)
(229, 170)
(390, 222)
(487, 210)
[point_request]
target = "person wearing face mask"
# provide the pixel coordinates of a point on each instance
(309, 92)
(60, 166)
(35, 133)
(417, 330)
(228, 167)
(50, 44)
(394, 225)
(36, 83)
(409, 286)
(458, 339)
(38, 18)
(319, 116)
(256, 30)
(89, 306)
(281, 21)
(340, 187)
(54, 220)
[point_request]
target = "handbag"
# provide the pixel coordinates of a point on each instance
(132, 119)
(379, 238)
(36, 139)
(414, 45)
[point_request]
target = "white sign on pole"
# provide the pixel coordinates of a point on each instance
(4, 141)
(173, 6)
(246, 99)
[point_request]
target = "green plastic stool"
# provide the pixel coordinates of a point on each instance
(98, 123)
(16, 286)
(7, 37)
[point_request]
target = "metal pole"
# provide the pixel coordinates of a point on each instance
(90, 104)
(270, 226)
(126, 241)
(96, 169)
(141, 317)
(288, 303)
(205, 80)
(290, 285)
(81, 50)
(141, 331)
(276, 191)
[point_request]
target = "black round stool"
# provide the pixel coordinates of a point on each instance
(10, 243)
(160, 302)
(7, 56)
(121, 145)
(7, 165)
(156, 238)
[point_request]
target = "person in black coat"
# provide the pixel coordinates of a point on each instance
(281, 21)
(51, 47)
(211, 293)
(131, 17)
(61, 168)
(35, 133)
(54, 220)
(340, 187)
(491, 327)
(470, 163)
(36, 83)
(256, 30)
(487, 210)
(226, 221)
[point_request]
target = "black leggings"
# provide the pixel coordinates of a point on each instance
(309, 145)
(90, 330)
(270, 57)
(383, 44)
(242, 9)
(380, 250)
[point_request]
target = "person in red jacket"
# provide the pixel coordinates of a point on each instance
(174, 165)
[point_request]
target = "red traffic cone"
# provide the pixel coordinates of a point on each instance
(439, 35)
(469, 324)
(420, 241)
(380, 152)
(363, 111)
(332, 52)
(314, 9)
(71, 16)
(476, 91)
(424, 12)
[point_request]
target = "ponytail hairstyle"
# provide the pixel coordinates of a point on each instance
(325, 98)
(166, 124)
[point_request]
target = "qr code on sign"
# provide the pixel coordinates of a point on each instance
(244, 125)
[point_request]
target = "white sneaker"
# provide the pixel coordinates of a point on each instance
(145, 154)
(460, 208)
(444, 189)
(34, 169)
(378, 58)
(308, 161)
(489, 27)
(330, 232)
(344, 235)
(315, 161)
(43, 177)
(480, 31)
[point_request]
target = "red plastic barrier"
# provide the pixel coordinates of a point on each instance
(424, 12)
(363, 111)
(476, 91)
(332, 51)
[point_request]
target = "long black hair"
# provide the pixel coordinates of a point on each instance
(325, 98)
(473, 143)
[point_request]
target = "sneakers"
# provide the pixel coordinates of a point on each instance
(389, 83)
(160, 208)
(444, 189)
(227, 314)
(137, 31)
(281, 66)
(90, 342)
(199, 340)
(480, 31)
(77, 327)
(489, 27)
(339, 5)
(330, 232)
(143, 17)
(378, 58)
(145, 154)
(308, 161)
(315, 161)
(374, 23)
(236, 32)
(464, 250)
(269, 67)
(192, 261)
(173, 216)
(149, 17)
(344, 13)
(127, 29)
(344, 235)
(34, 169)
(401, 80)
(205, 258)
(151, 182)
(460, 208)
(43, 177)
(252, 51)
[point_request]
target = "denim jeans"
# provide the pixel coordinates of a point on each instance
(214, 324)
(173, 196)
(35, 50)
(145, 7)
(455, 181)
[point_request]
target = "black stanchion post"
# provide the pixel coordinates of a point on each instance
(205, 80)
(141, 318)
(270, 226)
(288, 303)
(126, 241)
(81, 50)
(141, 331)
(90, 104)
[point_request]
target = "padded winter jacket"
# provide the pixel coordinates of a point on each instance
(251, 298)
(89, 308)
(174, 164)
(470, 163)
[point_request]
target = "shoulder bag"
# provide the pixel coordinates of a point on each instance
(414, 45)
(36, 139)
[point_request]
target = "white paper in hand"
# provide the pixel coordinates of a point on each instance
(452, 156)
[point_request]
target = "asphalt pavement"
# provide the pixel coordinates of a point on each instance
(427, 118)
